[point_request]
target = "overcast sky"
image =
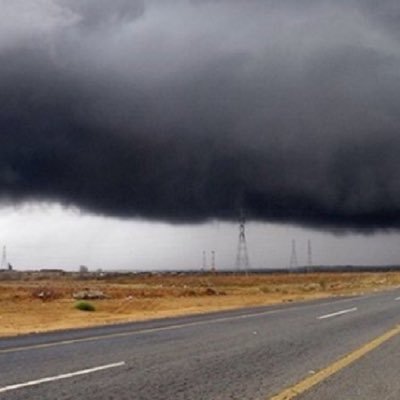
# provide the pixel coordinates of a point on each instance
(48, 236)
(133, 132)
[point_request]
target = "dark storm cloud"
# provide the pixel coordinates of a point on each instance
(190, 110)
(102, 13)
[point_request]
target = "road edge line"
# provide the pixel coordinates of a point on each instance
(310, 381)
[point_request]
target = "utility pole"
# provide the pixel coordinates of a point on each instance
(204, 265)
(309, 254)
(293, 257)
(4, 263)
(242, 256)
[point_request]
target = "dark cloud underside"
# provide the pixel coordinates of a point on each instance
(189, 110)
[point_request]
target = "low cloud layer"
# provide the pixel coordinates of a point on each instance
(185, 111)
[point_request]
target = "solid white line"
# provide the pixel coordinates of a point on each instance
(337, 313)
(59, 377)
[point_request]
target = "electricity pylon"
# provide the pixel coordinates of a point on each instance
(309, 254)
(242, 256)
(293, 256)
(4, 263)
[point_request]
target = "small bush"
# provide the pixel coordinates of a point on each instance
(323, 284)
(265, 289)
(211, 292)
(84, 306)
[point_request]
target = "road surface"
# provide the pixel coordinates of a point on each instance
(341, 348)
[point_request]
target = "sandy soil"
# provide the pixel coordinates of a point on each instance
(22, 310)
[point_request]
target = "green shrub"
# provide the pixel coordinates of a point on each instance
(84, 306)
(323, 284)
(266, 289)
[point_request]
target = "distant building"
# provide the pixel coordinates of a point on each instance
(52, 270)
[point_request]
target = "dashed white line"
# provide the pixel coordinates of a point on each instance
(59, 377)
(337, 313)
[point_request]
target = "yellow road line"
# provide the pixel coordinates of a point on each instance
(309, 382)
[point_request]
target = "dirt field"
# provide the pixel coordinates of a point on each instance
(32, 305)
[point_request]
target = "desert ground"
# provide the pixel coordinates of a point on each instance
(38, 303)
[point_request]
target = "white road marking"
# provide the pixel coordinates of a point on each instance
(142, 331)
(59, 377)
(397, 298)
(337, 313)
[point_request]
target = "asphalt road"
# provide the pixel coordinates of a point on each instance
(246, 354)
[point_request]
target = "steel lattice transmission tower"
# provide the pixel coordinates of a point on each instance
(204, 265)
(293, 257)
(309, 254)
(4, 263)
(242, 257)
(213, 260)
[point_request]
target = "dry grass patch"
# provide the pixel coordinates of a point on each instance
(40, 305)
